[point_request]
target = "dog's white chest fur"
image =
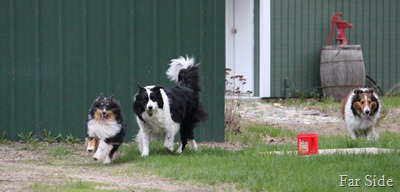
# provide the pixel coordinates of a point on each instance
(356, 123)
(160, 123)
(157, 124)
(103, 129)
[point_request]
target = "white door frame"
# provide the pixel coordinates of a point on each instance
(265, 48)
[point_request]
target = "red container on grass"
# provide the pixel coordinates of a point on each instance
(307, 144)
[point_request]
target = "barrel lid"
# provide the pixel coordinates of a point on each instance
(339, 47)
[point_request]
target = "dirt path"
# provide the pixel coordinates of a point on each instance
(23, 169)
(308, 119)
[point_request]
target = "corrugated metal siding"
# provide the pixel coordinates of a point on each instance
(300, 28)
(57, 56)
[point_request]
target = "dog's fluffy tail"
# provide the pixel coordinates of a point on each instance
(185, 72)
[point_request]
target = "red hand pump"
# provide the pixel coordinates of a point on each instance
(341, 25)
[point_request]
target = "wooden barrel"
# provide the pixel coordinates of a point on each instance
(341, 70)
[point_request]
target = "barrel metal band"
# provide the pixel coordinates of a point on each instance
(329, 86)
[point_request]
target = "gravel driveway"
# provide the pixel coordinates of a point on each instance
(308, 119)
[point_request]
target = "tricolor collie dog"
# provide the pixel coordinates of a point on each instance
(105, 128)
(361, 111)
(162, 112)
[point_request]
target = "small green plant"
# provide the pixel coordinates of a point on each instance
(3, 137)
(27, 138)
(59, 151)
(315, 94)
(71, 139)
(302, 95)
(81, 185)
(328, 99)
(49, 138)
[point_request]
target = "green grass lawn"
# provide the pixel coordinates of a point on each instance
(252, 168)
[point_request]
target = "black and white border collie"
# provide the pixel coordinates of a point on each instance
(361, 110)
(105, 128)
(162, 112)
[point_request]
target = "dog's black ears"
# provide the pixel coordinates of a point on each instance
(114, 100)
(370, 91)
(360, 91)
(101, 96)
(139, 86)
(158, 88)
(154, 88)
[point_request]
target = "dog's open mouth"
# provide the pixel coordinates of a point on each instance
(150, 112)
(103, 116)
(367, 117)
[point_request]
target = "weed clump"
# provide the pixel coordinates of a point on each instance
(233, 101)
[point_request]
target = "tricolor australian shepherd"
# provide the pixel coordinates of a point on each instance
(361, 111)
(105, 128)
(162, 112)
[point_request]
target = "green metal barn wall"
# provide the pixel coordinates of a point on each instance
(57, 55)
(299, 29)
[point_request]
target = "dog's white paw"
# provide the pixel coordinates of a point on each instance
(102, 151)
(179, 150)
(145, 151)
(90, 149)
(373, 135)
(97, 156)
(107, 160)
(376, 136)
(169, 149)
(145, 154)
(353, 136)
(193, 145)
